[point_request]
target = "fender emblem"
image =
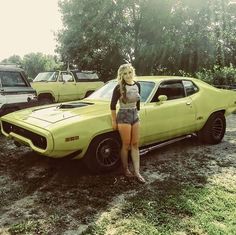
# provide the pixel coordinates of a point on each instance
(68, 139)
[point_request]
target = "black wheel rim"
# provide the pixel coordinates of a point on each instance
(217, 128)
(108, 152)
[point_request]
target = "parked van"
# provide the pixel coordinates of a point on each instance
(15, 90)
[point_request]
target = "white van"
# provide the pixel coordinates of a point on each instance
(15, 90)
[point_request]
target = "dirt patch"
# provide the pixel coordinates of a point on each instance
(47, 196)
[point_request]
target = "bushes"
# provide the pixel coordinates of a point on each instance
(218, 75)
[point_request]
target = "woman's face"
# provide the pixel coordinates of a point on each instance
(128, 75)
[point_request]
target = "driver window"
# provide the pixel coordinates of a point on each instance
(172, 89)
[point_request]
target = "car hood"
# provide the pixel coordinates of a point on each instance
(44, 116)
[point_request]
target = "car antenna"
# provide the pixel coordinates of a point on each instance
(68, 66)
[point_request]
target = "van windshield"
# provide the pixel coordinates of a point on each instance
(46, 77)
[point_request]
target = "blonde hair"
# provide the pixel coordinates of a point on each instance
(121, 81)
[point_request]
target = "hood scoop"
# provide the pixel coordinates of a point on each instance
(74, 105)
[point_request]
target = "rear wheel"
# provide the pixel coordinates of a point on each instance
(214, 129)
(103, 153)
(45, 100)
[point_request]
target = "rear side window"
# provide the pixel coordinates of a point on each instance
(190, 87)
(11, 79)
(87, 76)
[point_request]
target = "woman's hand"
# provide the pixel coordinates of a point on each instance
(114, 125)
(113, 119)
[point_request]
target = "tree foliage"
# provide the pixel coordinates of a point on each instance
(155, 35)
(33, 63)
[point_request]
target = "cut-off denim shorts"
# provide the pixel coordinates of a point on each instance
(127, 116)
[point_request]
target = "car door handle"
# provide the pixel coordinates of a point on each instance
(188, 103)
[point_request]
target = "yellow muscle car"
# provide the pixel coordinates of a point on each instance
(171, 108)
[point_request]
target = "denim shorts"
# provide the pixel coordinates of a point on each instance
(127, 116)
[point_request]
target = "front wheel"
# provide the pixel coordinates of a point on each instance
(214, 129)
(103, 153)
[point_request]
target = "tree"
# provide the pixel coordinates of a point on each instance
(34, 63)
(156, 36)
(14, 59)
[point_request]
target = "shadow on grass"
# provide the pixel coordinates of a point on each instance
(64, 189)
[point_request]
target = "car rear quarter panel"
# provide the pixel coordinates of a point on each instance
(209, 100)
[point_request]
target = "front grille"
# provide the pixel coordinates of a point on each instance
(38, 140)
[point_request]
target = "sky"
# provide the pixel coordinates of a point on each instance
(28, 26)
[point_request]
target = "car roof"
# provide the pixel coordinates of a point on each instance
(10, 68)
(160, 78)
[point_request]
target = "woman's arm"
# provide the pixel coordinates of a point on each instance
(139, 91)
(114, 99)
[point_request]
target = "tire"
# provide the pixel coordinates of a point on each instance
(45, 100)
(214, 129)
(103, 154)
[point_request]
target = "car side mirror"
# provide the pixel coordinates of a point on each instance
(162, 98)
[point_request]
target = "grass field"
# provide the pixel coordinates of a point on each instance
(175, 207)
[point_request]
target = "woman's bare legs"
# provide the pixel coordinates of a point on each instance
(135, 151)
(125, 134)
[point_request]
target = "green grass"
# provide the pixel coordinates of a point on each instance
(36, 226)
(173, 209)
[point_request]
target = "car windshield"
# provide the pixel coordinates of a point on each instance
(105, 92)
(11, 79)
(46, 77)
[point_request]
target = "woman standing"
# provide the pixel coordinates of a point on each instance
(126, 120)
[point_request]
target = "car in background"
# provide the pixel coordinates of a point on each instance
(171, 108)
(60, 86)
(15, 90)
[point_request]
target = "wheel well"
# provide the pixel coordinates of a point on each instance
(45, 96)
(218, 111)
(111, 133)
(222, 111)
(89, 92)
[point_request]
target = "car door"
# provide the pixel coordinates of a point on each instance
(171, 118)
(2, 96)
(67, 88)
